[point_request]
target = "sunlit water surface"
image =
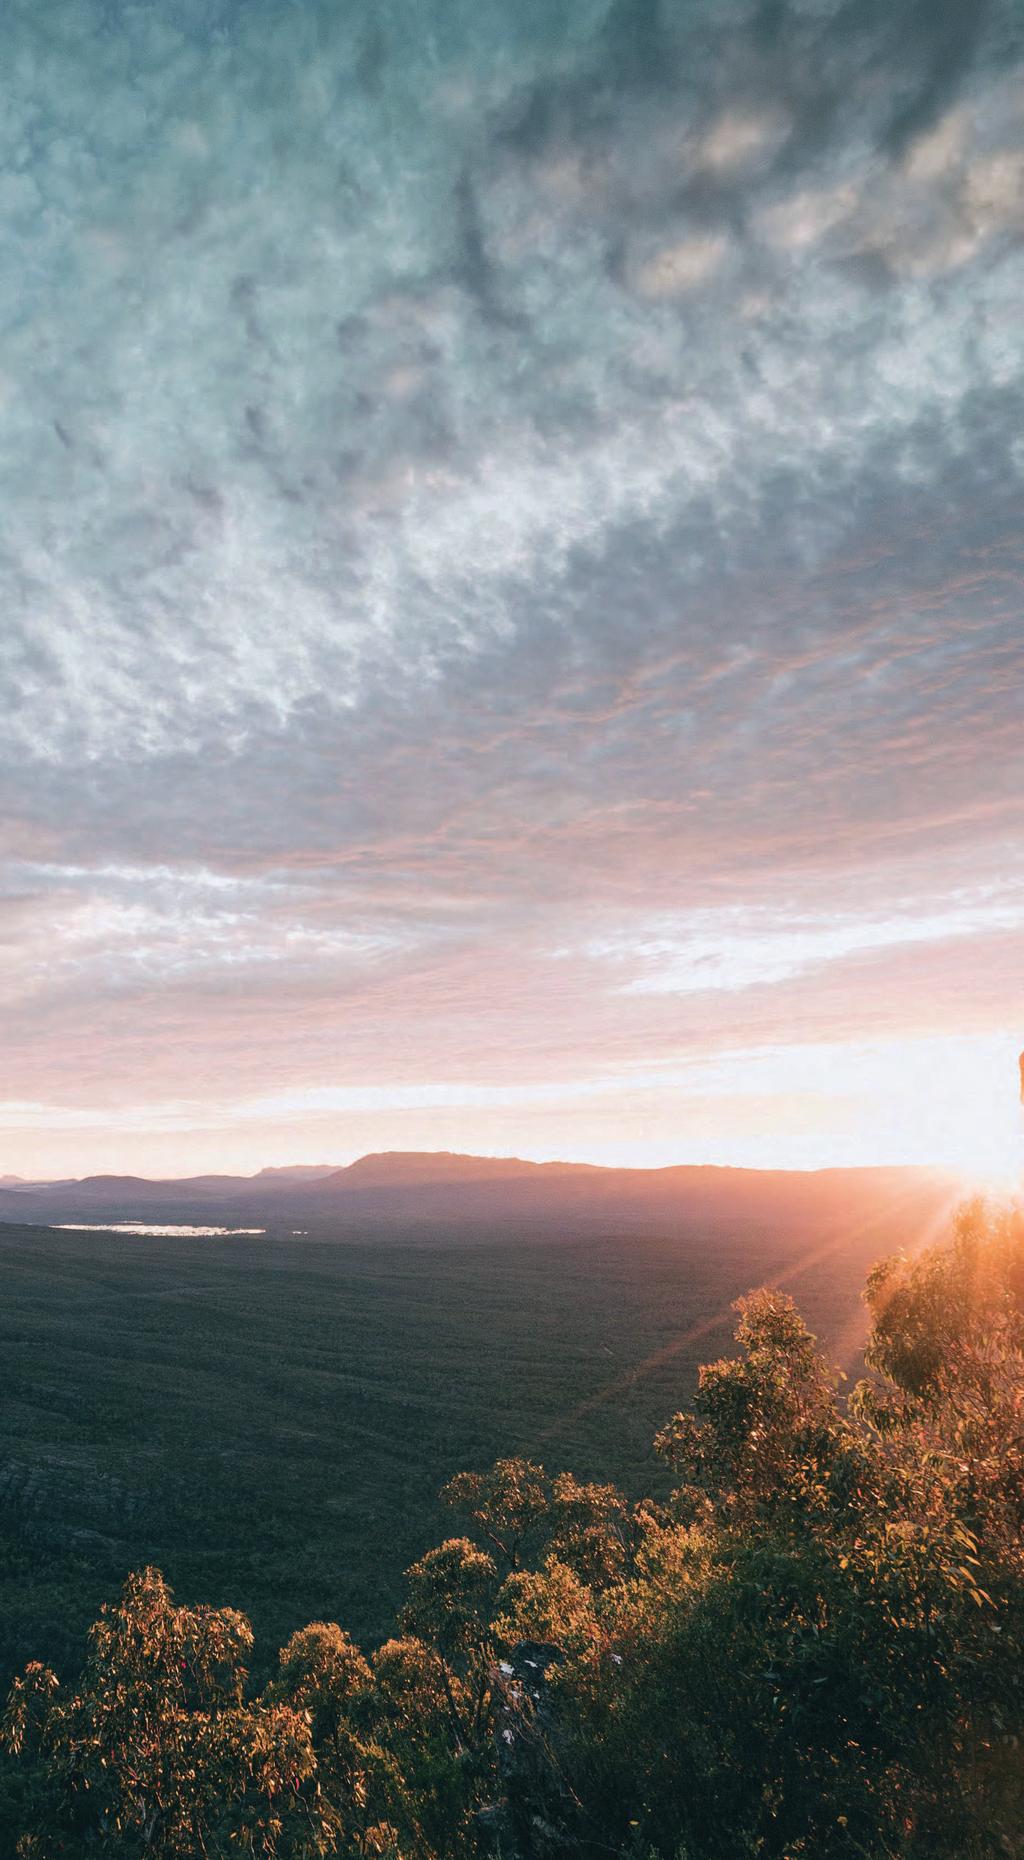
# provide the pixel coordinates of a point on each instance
(148, 1227)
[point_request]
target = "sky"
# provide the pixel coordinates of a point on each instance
(511, 581)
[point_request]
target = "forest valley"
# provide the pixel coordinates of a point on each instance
(814, 1649)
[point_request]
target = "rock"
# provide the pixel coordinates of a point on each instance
(534, 1820)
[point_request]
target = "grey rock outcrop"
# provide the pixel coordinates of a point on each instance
(533, 1819)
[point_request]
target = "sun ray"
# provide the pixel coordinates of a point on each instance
(850, 1339)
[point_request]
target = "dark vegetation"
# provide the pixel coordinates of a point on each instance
(808, 1642)
(270, 1419)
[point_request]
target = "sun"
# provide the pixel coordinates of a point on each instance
(986, 1145)
(954, 1103)
(950, 1102)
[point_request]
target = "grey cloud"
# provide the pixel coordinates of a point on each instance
(246, 513)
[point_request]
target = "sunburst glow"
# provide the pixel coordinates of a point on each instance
(976, 1121)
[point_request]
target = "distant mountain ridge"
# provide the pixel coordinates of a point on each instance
(379, 1168)
(394, 1167)
(295, 1172)
(395, 1189)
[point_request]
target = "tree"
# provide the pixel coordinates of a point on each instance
(156, 1752)
(507, 1505)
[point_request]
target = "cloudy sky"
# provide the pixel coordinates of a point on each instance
(511, 580)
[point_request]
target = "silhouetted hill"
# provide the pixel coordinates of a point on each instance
(475, 1193)
(406, 1168)
(106, 1192)
(110, 1194)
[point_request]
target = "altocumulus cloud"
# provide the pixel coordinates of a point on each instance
(484, 481)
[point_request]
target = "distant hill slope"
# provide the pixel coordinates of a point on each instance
(479, 1191)
(406, 1168)
(296, 1172)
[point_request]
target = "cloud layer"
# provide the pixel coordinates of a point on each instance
(513, 563)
